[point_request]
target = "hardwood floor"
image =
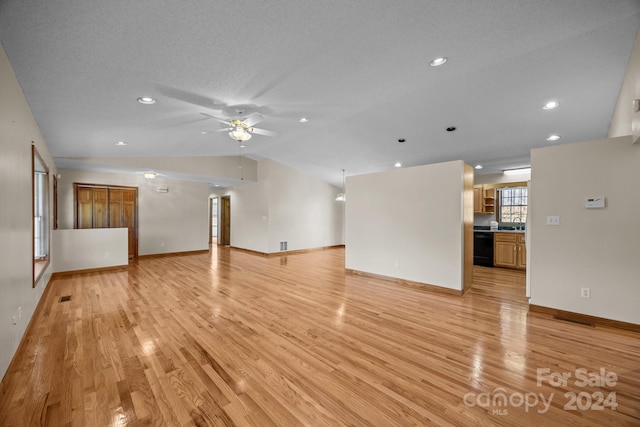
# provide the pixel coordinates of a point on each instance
(233, 338)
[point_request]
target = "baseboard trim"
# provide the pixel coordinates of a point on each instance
(58, 274)
(418, 285)
(285, 253)
(168, 254)
(583, 319)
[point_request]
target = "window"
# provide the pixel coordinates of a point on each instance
(40, 216)
(513, 205)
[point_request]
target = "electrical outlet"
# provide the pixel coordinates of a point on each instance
(14, 320)
(553, 220)
(397, 264)
(585, 292)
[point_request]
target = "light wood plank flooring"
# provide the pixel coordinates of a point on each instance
(233, 338)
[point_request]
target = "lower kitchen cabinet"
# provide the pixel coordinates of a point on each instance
(509, 250)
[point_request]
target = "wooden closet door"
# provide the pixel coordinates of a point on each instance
(100, 208)
(108, 207)
(129, 198)
(84, 200)
(115, 208)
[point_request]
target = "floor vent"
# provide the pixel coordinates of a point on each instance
(577, 322)
(65, 298)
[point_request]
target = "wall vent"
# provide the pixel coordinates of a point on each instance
(65, 298)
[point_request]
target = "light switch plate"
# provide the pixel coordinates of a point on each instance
(553, 220)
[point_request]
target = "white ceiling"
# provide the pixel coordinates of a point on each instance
(358, 69)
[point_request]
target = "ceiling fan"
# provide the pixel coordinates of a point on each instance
(241, 129)
(240, 119)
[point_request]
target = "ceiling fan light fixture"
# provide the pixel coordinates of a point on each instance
(239, 131)
(240, 134)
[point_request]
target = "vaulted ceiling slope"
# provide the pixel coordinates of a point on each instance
(359, 70)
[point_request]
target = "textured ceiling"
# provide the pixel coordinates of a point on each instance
(358, 69)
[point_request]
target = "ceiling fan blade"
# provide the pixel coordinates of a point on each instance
(264, 132)
(222, 130)
(189, 97)
(253, 119)
(216, 118)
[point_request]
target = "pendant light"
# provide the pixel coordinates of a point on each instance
(341, 197)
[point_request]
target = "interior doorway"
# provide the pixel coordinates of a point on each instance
(213, 221)
(224, 230)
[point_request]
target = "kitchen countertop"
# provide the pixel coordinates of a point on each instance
(499, 231)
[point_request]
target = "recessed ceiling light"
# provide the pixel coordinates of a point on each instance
(398, 165)
(304, 120)
(478, 166)
(438, 62)
(204, 132)
(121, 143)
(216, 185)
(553, 138)
(146, 100)
(551, 105)
(150, 174)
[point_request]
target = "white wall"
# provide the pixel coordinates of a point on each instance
(249, 216)
(591, 248)
(302, 209)
(284, 205)
(411, 216)
(625, 121)
(179, 219)
(90, 248)
(18, 129)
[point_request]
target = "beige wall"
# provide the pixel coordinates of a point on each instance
(18, 129)
(176, 221)
(591, 248)
(90, 248)
(412, 217)
(284, 205)
(625, 121)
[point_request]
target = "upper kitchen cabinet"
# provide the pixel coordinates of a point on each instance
(484, 199)
(477, 199)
